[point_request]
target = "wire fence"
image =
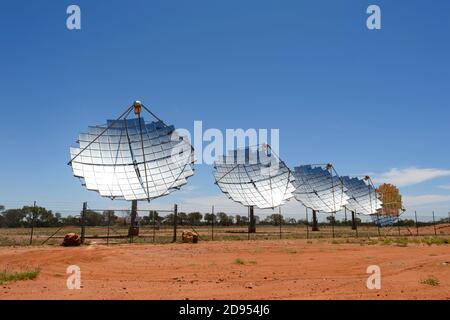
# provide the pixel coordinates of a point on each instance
(105, 226)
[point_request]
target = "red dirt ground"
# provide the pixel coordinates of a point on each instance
(441, 229)
(291, 269)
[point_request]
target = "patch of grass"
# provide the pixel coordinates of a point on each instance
(10, 276)
(431, 281)
(243, 262)
(6, 242)
(401, 242)
(435, 240)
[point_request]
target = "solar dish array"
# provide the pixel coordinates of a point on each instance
(363, 197)
(318, 189)
(254, 178)
(129, 159)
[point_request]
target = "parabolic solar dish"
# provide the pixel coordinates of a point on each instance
(319, 189)
(254, 177)
(363, 198)
(132, 160)
(384, 221)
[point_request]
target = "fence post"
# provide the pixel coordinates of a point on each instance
(212, 224)
(281, 220)
(332, 224)
(83, 216)
(398, 227)
(109, 224)
(248, 222)
(434, 225)
(354, 225)
(378, 225)
(307, 224)
(417, 226)
(32, 223)
(154, 225)
(175, 221)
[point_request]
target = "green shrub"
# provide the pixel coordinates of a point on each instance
(10, 276)
(431, 281)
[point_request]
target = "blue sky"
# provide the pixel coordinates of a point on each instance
(368, 101)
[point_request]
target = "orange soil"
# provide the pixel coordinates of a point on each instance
(290, 269)
(441, 229)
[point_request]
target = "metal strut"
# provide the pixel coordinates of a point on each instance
(137, 106)
(123, 115)
(137, 110)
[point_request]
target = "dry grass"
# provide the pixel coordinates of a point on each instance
(431, 281)
(243, 262)
(343, 234)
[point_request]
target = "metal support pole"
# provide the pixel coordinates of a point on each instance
(83, 220)
(417, 226)
(354, 225)
(33, 216)
(315, 226)
(133, 230)
(175, 221)
(434, 225)
(252, 226)
(345, 212)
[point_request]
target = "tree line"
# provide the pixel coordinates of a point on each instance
(29, 216)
